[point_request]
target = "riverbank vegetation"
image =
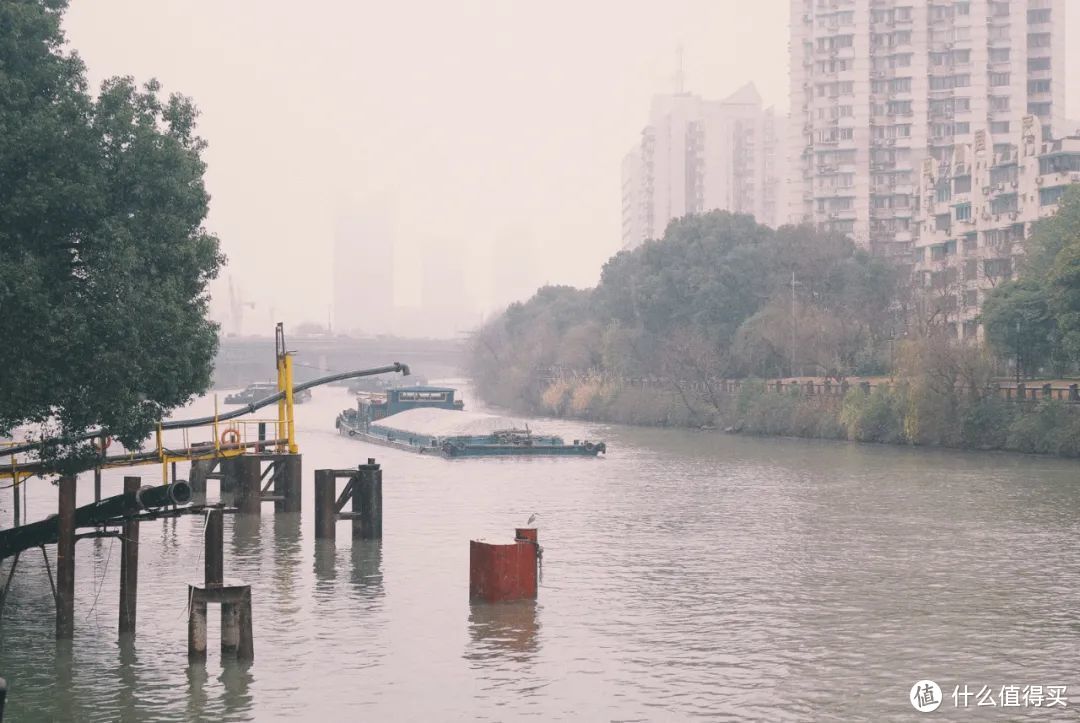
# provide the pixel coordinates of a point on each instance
(721, 298)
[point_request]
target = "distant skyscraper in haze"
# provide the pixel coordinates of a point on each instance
(364, 272)
(877, 86)
(698, 155)
(515, 267)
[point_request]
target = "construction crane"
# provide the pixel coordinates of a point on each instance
(236, 308)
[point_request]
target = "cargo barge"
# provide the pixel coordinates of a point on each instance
(429, 420)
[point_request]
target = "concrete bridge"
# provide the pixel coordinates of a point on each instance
(242, 360)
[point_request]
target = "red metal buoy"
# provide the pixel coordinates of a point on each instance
(498, 573)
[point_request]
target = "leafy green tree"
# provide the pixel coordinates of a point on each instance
(1019, 323)
(1051, 235)
(104, 260)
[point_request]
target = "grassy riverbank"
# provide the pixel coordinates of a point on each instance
(901, 413)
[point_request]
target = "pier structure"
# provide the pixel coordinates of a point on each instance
(256, 460)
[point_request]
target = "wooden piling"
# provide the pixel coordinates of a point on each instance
(129, 565)
(3, 697)
(287, 484)
(97, 484)
(18, 503)
(214, 553)
(65, 560)
(325, 513)
(367, 502)
(248, 484)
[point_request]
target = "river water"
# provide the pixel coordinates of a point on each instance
(687, 574)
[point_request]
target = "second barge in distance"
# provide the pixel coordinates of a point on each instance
(429, 420)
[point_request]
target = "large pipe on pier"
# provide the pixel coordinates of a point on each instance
(110, 509)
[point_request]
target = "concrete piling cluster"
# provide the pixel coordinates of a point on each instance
(234, 597)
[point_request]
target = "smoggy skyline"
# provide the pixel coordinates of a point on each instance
(474, 120)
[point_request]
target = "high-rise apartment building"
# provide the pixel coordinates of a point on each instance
(697, 155)
(877, 86)
(973, 212)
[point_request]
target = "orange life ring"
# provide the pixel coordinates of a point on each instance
(230, 436)
(101, 443)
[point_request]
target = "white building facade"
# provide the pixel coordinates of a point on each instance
(698, 155)
(879, 86)
(974, 210)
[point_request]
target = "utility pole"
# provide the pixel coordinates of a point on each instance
(1018, 352)
(794, 326)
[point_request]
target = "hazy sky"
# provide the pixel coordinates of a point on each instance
(468, 117)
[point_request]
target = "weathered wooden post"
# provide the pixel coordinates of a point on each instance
(97, 484)
(214, 566)
(65, 560)
(287, 484)
(367, 502)
(249, 484)
(325, 513)
(17, 488)
(129, 565)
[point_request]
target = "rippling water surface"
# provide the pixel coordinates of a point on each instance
(688, 574)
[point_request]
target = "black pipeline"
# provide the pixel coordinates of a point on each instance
(110, 509)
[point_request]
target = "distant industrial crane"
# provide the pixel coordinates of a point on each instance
(236, 307)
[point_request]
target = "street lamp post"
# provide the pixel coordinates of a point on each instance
(1018, 353)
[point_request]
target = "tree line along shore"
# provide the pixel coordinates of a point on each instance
(694, 330)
